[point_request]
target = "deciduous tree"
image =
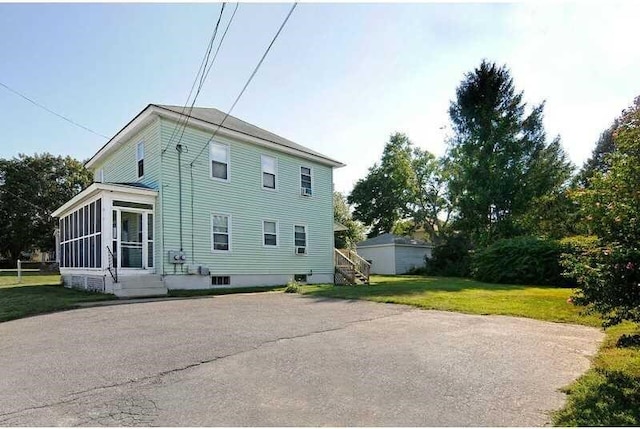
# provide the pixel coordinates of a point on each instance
(31, 188)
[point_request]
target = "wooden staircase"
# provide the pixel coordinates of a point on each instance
(350, 268)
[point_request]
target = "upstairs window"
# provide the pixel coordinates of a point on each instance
(269, 167)
(270, 233)
(305, 181)
(140, 159)
(221, 233)
(219, 156)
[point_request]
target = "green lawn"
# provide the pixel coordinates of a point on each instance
(464, 295)
(38, 294)
(607, 395)
(10, 278)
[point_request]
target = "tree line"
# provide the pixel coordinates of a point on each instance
(503, 185)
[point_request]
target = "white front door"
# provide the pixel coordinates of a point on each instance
(133, 238)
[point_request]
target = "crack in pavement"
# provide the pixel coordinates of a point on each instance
(75, 396)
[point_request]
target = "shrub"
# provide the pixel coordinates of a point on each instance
(449, 259)
(520, 260)
(608, 276)
(292, 287)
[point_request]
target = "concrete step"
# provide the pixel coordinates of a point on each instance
(142, 285)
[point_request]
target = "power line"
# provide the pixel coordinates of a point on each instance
(200, 74)
(184, 127)
(26, 201)
(255, 70)
(51, 111)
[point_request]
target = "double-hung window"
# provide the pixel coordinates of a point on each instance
(219, 156)
(140, 159)
(305, 181)
(221, 232)
(269, 167)
(300, 239)
(269, 233)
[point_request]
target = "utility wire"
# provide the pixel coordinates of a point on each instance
(51, 111)
(255, 70)
(199, 75)
(26, 201)
(205, 74)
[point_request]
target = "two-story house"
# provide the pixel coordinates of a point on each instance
(206, 206)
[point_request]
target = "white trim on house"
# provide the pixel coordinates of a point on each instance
(151, 111)
(227, 147)
(277, 234)
(97, 187)
(310, 168)
(306, 240)
(139, 157)
(275, 172)
(229, 229)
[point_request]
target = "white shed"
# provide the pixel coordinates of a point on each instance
(392, 254)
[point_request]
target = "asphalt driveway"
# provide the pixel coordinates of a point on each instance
(278, 359)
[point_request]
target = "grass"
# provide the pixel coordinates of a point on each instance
(40, 295)
(606, 395)
(465, 296)
(29, 278)
(609, 393)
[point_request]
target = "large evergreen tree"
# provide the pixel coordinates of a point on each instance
(499, 157)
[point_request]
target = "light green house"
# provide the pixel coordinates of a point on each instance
(200, 206)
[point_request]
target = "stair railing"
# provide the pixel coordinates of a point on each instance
(112, 267)
(344, 267)
(360, 264)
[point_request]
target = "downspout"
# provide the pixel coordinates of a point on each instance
(193, 251)
(179, 149)
(161, 197)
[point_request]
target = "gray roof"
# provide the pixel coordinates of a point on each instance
(133, 184)
(388, 238)
(215, 117)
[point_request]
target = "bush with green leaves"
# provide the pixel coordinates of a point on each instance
(450, 258)
(607, 275)
(609, 279)
(292, 287)
(520, 260)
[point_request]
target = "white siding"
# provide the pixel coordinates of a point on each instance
(382, 258)
(408, 257)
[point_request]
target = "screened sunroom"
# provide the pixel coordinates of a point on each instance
(106, 232)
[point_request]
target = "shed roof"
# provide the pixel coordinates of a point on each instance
(388, 238)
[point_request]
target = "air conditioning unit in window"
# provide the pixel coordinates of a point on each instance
(306, 192)
(301, 250)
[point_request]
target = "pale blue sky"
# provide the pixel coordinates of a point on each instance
(340, 79)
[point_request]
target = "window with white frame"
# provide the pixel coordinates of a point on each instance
(81, 237)
(140, 159)
(221, 232)
(270, 233)
(219, 156)
(269, 167)
(305, 180)
(300, 239)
